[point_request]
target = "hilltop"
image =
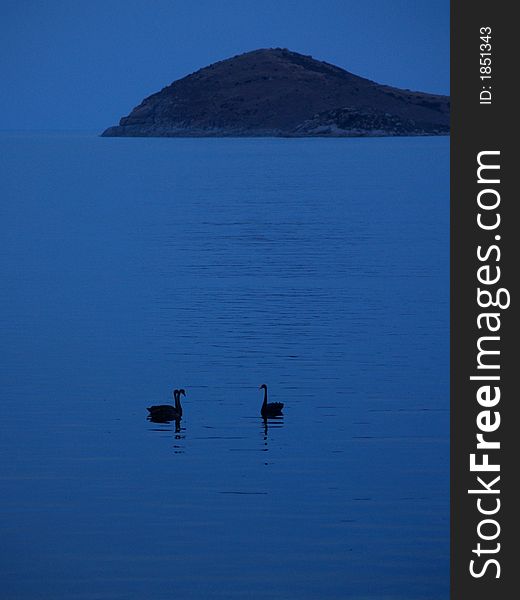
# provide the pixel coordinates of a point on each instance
(276, 92)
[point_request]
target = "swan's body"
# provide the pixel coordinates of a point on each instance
(270, 409)
(167, 412)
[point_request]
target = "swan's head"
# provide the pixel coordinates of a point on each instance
(182, 392)
(263, 387)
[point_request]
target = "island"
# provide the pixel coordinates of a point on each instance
(279, 93)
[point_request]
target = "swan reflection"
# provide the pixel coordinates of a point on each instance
(270, 423)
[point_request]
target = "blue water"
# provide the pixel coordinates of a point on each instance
(133, 266)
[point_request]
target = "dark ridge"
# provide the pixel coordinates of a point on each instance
(277, 92)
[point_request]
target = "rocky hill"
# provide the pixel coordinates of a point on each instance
(276, 92)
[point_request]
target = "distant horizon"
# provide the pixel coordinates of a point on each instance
(95, 130)
(67, 67)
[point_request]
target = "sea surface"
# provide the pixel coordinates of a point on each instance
(130, 267)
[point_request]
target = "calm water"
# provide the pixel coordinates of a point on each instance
(130, 267)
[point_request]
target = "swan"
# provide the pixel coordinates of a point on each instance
(270, 409)
(167, 412)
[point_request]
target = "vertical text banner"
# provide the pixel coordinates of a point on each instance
(485, 255)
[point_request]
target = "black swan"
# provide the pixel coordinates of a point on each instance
(166, 412)
(270, 409)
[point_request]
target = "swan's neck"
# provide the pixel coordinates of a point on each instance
(177, 401)
(265, 397)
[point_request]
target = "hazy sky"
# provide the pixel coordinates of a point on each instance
(82, 64)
